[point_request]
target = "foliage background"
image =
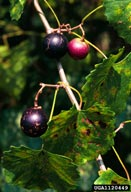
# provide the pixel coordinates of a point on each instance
(23, 66)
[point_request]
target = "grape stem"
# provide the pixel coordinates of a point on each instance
(60, 84)
(37, 96)
(63, 76)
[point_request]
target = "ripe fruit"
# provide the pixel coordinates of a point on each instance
(55, 45)
(78, 48)
(34, 122)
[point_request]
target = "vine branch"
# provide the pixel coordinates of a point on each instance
(67, 88)
(63, 76)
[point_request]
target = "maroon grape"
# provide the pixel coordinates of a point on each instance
(78, 48)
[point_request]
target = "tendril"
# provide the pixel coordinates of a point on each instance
(122, 164)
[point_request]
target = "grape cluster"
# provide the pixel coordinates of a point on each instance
(34, 121)
(56, 46)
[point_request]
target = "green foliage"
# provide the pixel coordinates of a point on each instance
(109, 83)
(10, 117)
(17, 7)
(13, 67)
(39, 169)
(118, 14)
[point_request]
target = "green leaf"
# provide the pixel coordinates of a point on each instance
(109, 83)
(118, 13)
(17, 7)
(81, 135)
(109, 177)
(95, 132)
(39, 169)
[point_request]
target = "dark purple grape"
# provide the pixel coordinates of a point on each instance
(55, 45)
(34, 121)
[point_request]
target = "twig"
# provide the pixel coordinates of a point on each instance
(67, 88)
(101, 163)
(121, 126)
(43, 18)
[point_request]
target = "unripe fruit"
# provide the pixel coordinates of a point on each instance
(34, 122)
(78, 48)
(55, 45)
